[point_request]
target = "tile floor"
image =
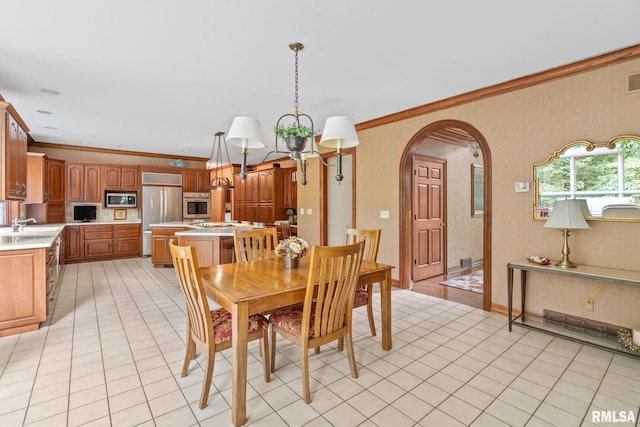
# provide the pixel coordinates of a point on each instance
(112, 352)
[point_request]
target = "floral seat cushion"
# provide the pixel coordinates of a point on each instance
(361, 295)
(221, 319)
(290, 319)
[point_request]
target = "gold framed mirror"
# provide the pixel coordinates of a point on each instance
(606, 174)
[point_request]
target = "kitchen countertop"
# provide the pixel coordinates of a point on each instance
(205, 229)
(34, 236)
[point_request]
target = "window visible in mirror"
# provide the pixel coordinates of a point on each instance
(603, 174)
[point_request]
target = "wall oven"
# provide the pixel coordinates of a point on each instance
(196, 205)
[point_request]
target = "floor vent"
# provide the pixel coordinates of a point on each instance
(633, 82)
(581, 325)
(465, 263)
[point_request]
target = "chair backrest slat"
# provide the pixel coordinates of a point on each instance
(371, 239)
(185, 264)
(331, 284)
(250, 245)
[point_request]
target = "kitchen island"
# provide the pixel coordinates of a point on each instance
(213, 241)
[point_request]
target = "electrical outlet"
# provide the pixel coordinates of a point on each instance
(588, 305)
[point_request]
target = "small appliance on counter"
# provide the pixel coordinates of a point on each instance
(85, 213)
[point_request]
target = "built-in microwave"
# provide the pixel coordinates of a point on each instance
(114, 199)
(196, 205)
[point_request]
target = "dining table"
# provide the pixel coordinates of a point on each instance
(245, 288)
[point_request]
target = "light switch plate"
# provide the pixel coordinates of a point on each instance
(309, 212)
(522, 187)
(301, 211)
(384, 214)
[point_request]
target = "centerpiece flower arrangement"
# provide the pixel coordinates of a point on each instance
(292, 247)
(291, 250)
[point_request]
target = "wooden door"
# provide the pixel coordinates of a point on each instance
(55, 180)
(73, 246)
(92, 183)
(129, 178)
(75, 182)
(111, 176)
(429, 217)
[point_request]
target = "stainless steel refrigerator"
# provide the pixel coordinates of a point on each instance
(159, 204)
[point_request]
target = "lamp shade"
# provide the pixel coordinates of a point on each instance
(245, 132)
(339, 132)
(568, 213)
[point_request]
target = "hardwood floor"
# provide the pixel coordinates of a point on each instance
(432, 286)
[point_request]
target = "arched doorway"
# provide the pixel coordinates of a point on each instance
(406, 200)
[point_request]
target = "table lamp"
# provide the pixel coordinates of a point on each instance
(567, 215)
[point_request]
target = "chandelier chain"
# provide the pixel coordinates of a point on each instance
(296, 104)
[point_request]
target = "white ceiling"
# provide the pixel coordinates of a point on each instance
(164, 76)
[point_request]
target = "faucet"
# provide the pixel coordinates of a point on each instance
(18, 224)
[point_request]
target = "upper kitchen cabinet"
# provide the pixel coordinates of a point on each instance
(83, 182)
(115, 177)
(45, 179)
(13, 154)
(195, 180)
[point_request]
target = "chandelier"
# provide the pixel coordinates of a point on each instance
(295, 130)
(219, 181)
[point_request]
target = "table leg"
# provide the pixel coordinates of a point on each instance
(239, 322)
(523, 289)
(385, 310)
(510, 296)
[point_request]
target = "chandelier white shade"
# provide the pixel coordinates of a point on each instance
(245, 132)
(339, 132)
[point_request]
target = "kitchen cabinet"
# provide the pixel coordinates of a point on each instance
(23, 305)
(83, 182)
(195, 180)
(210, 250)
(160, 252)
(116, 177)
(104, 241)
(73, 244)
(260, 197)
(126, 240)
(13, 154)
(97, 241)
(45, 181)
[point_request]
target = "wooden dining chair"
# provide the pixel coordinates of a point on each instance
(325, 314)
(284, 231)
(364, 292)
(210, 329)
(250, 245)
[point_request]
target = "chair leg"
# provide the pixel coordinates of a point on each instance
(351, 356)
(304, 367)
(208, 376)
(340, 344)
(372, 325)
(272, 359)
(189, 355)
(265, 350)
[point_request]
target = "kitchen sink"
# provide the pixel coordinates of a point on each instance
(39, 229)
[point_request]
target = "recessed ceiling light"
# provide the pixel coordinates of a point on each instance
(49, 91)
(83, 143)
(44, 112)
(51, 127)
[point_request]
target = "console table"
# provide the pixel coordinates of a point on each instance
(600, 274)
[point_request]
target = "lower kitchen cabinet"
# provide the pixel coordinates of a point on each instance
(100, 242)
(160, 252)
(23, 305)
